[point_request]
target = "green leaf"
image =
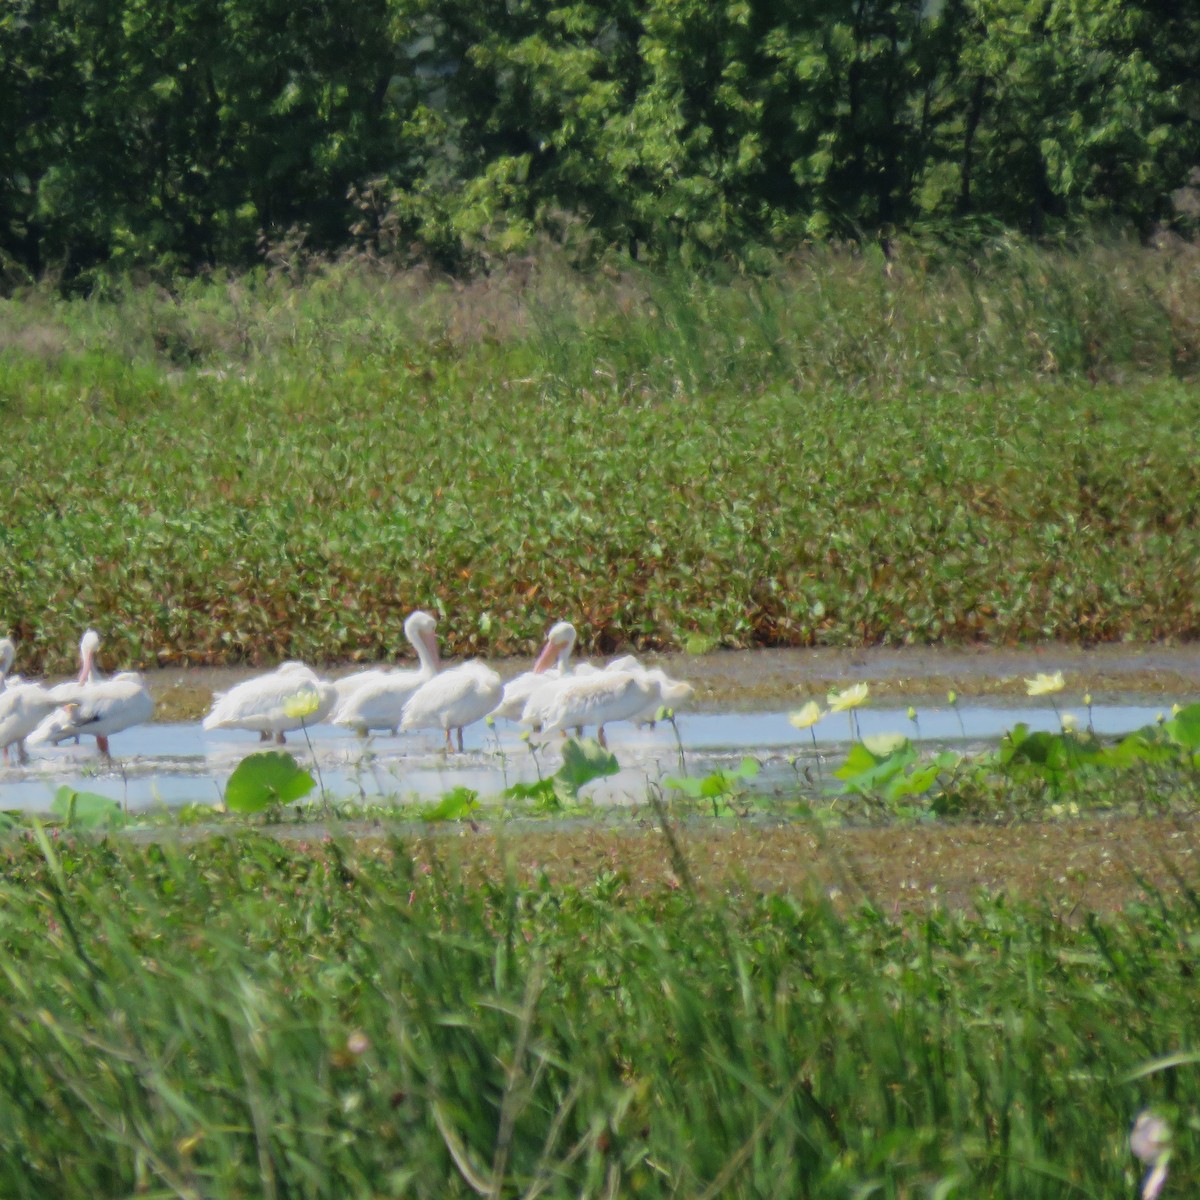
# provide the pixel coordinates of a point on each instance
(456, 804)
(86, 810)
(583, 760)
(266, 778)
(1184, 728)
(543, 794)
(687, 785)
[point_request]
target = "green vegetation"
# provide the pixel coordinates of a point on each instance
(188, 133)
(250, 1018)
(842, 452)
(1028, 773)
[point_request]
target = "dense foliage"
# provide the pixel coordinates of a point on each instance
(180, 132)
(244, 1018)
(842, 453)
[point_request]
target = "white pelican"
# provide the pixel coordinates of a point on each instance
(23, 706)
(668, 692)
(99, 707)
(108, 707)
(377, 701)
(267, 704)
(54, 728)
(551, 665)
(454, 699)
(595, 699)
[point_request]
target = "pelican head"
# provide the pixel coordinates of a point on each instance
(88, 645)
(421, 631)
(560, 641)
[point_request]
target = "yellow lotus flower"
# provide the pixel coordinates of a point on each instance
(302, 704)
(852, 697)
(810, 714)
(882, 744)
(1044, 685)
(1069, 722)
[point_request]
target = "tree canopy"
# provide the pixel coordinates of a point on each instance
(178, 134)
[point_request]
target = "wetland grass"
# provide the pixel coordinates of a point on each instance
(843, 451)
(250, 1017)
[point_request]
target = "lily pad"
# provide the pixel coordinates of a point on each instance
(269, 777)
(584, 759)
(86, 810)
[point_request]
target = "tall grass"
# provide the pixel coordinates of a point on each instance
(824, 316)
(244, 1018)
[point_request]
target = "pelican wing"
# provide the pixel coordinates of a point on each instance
(454, 698)
(109, 707)
(596, 699)
(379, 703)
(23, 707)
(257, 703)
(519, 689)
(349, 684)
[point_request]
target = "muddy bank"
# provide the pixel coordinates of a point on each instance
(1097, 864)
(1091, 864)
(758, 679)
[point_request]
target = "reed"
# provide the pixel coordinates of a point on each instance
(243, 1017)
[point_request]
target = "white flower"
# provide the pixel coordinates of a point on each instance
(852, 697)
(882, 744)
(810, 714)
(1150, 1137)
(1044, 685)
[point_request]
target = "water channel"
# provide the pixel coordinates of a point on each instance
(177, 762)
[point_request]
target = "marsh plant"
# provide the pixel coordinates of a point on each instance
(261, 499)
(248, 1016)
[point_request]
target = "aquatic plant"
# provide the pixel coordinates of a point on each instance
(257, 499)
(720, 788)
(85, 810)
(264, 779)
(583, 760)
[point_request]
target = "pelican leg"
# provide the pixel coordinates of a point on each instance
(22, 752)
(449, 743)
(280, 738)
(601, 738)
(102, 745)
(263, 736)
(460, 739)
(6, 756)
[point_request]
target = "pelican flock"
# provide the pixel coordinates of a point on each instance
(556, 694)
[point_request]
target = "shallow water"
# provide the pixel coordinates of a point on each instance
(170, 764)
